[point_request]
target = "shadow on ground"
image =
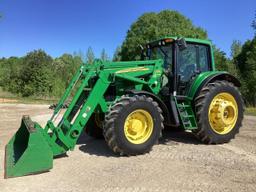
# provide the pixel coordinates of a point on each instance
(94, 146)
(99, 147)
(171, 137)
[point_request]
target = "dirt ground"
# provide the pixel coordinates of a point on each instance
(178, 163)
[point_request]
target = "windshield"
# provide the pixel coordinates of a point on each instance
(162, 52)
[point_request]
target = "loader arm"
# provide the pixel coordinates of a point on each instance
(65, 135)
(32, 143)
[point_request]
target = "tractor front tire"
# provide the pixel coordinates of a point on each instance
(219, 111)
(133, 125)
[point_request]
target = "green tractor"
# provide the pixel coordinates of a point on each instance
(129, 103)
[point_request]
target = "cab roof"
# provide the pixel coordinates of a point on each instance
(174, 38)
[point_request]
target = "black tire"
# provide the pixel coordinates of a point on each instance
(202, 103)
(115, 119)
(94, 128)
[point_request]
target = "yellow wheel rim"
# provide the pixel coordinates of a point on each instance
(138, 126)
(223, 113)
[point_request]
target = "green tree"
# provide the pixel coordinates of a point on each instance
(9, 73)
(90, 56)
(221, 61)
(117, 54)
(246, 62)
(236, 48)
(36, 75)
(254, 25)
(103, 55)
(80, 54)
(66, 66)
(151, 26)
(2, 68)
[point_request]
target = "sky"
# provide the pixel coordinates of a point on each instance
(66, 26)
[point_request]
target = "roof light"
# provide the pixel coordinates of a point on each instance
(168, 40)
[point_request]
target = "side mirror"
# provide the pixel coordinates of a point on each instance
(182, 43)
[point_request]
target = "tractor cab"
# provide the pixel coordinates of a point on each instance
(184, 59)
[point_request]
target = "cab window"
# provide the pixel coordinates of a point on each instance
(163, 52)
(204, 58)
(192, 60)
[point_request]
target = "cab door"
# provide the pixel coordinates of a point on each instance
(191, 61)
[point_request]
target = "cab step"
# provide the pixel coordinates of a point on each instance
(186, 114)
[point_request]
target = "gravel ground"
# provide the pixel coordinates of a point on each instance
(178, 163)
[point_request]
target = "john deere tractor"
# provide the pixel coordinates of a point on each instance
(129, 103)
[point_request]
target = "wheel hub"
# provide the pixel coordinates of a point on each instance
(223, 113)
(135, 125)
(138, 126)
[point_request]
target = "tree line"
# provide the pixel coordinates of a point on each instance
(38, 74)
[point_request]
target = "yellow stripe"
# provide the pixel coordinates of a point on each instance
(133, 70)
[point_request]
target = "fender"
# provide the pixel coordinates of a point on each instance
(209, 77)
(166, 112)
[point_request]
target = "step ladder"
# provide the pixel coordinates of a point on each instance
(187, 116)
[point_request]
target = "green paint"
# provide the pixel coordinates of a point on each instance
(27, 152)
(198, 81)
(32, 148)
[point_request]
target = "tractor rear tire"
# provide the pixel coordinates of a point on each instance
(133, 125)
(219, 111)
(94, 127)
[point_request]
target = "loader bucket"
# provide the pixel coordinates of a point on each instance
(28, 151)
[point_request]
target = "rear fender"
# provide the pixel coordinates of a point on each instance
(209, 77)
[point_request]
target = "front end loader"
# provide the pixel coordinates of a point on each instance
(129, 104)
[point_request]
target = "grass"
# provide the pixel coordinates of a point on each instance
(250, 111)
